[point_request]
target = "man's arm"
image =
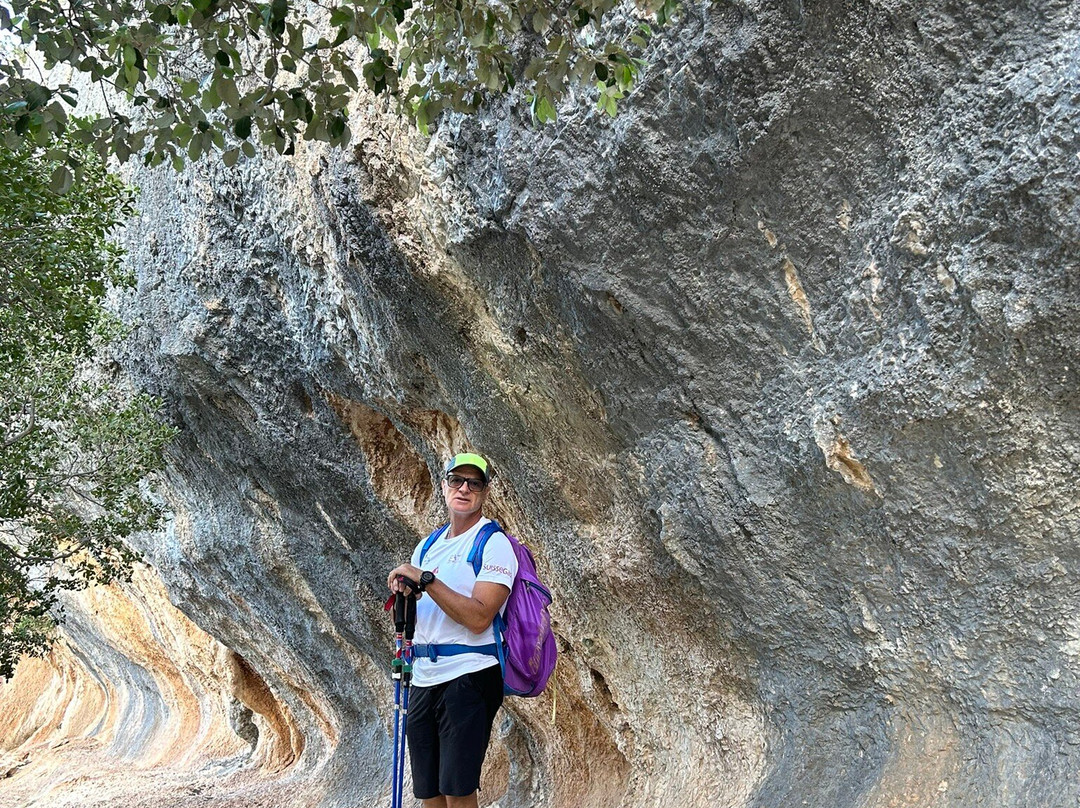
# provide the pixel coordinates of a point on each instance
(475, 613)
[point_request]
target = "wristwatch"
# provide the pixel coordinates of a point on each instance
(427, 577)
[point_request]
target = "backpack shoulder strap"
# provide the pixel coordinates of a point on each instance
(476, 558)
(431, 540)
(476, 554)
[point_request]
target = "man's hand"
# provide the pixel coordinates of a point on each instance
(395, 584)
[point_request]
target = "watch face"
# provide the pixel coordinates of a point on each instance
(426, 577)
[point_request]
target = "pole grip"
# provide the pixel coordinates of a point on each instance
(410, 617)
(399, 612)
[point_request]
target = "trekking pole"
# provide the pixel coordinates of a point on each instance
(396, 667)
(406, 685)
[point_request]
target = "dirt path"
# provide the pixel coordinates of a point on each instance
(73, 774)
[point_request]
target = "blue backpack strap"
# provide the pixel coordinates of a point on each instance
(497, 626)
(476, 558)
(476, 554)
(431, 540)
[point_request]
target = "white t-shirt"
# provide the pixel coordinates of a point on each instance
(448, 559)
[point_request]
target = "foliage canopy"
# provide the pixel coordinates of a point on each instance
(73, 450)
(225, 74)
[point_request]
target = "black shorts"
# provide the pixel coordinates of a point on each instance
(448, 730)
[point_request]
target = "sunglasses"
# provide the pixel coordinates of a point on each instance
(475, 484)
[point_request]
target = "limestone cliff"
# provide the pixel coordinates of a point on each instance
(778, 370)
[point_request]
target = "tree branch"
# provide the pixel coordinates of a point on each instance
(9, 442)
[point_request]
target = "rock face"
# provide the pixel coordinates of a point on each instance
(779, 373)
(135, 701)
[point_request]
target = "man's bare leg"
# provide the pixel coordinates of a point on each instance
(452, 802)
(462, 802)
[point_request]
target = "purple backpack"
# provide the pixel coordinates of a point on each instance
(524, 641)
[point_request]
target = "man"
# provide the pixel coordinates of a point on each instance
(455, 697)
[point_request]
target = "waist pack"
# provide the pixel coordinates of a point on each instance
(524, 642)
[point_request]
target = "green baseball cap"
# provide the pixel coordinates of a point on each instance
(469, 459)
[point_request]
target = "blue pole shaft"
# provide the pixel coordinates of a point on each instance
(403, 744)
(395, 784)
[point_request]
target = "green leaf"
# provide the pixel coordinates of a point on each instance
(242, 127)
(342, 15)
(546, 111)
(131, 77)
(296, 40)
(226, 91)
(61, 179)
(37, 96)
(183, 133)
(210, 98)
(230, 157)
(279, 10)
